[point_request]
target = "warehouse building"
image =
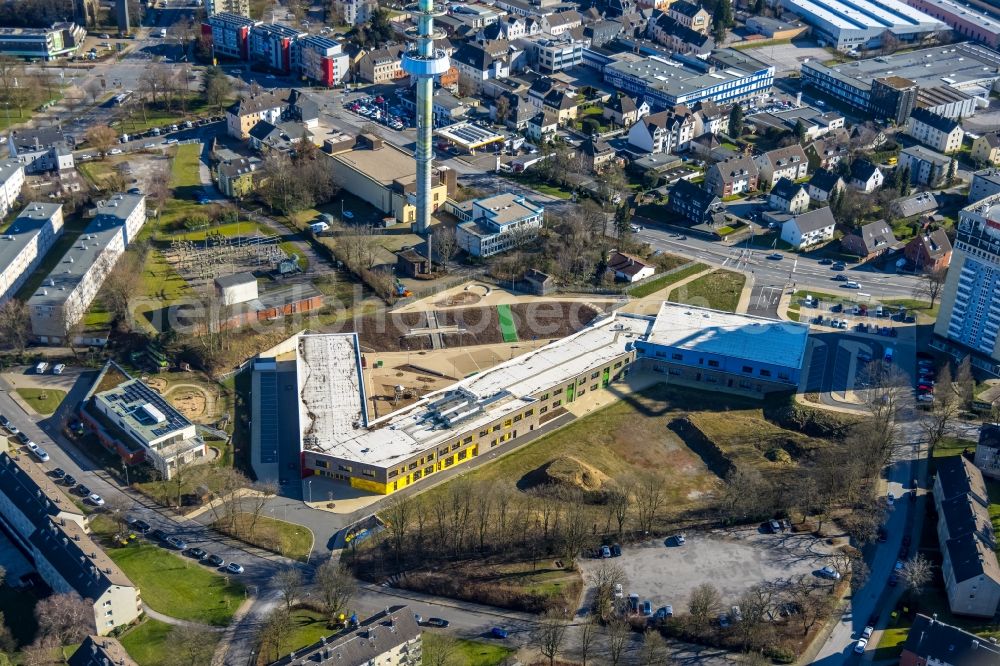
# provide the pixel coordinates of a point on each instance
(885, 86)
(963, 19)
(861, 24)
(25, 244)
(66, 294)
(727, 76)
(338, 438)
(43, 43)
(53, 534)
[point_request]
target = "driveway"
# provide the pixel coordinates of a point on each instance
(731, 559)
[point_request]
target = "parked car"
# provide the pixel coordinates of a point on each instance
(69, 481)
(499, 632)
(139, 525)
(196, 553)
(23, 437)
(57, 473)
(646, 608)
(774, 525)
(859, 647)
(214, 560)
(679, 539)
(619, 591)
(890, 499)
(829, 572)
(58, 368)
(605, 551)
(437, 622)
(616, 550)
(867, 632)
(234, 568)
(175, 542)
(724, 621)
(736, 614)
(158, 535)
(82, 490)
(95, 499)
(664, 612)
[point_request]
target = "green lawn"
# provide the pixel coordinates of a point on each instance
(719, 290)
(307, 627)
(179, 588)
(891, 643)
(952, 446)
(665, 281)
(146, 644)
(43, 401)
(278, 536)
(478, 653)
(922, 307)
(184, 171)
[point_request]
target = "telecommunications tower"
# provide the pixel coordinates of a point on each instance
(423, 63)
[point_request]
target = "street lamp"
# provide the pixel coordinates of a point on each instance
(309, 485)
(125, 469)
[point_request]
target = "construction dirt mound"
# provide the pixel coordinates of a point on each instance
(568, 471)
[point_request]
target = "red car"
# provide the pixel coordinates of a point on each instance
(926, 388)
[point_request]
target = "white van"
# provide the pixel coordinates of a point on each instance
(319, 227)
(851, 284)
(41, 368)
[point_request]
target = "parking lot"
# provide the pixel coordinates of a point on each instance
(731, 559)
(789, 57)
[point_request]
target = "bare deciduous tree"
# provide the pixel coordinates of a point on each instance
(704, 603)
(617, 634)
(809, 606)
(397, 515)
(550, 635)
(444, 244)
(289, 584)
(439, 650)
(190, 646)
(606, 578)
(275, 627)
(757, 607)
(335, 587)
(15, 324)
(65, 618)
(649, 499)
(916, 573)
(930, 284)
(586, 633)
(619, 506)
(944, 410)
(654, 649)
(101, 137)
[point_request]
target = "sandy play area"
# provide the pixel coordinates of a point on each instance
(195, 402)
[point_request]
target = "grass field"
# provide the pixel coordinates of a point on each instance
(179, 588)
(308, 626)
(478, 653)
(891, 643)
(719, 290)
(507, 328)
(146, 644)
(184, 172)
(43, 401)
(923, 307)
(288, 539)
(665, 281)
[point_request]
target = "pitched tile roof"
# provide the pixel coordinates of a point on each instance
(786, 189)
(101, 651)
(933, 640)
(825, 180)
(814, 220)
(937, 121)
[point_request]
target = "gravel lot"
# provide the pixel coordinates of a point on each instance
(733, 560)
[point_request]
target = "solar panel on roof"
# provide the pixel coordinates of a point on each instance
(268, 417)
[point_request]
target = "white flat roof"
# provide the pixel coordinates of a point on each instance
(866, 14)
(332, 402)
(741, 336)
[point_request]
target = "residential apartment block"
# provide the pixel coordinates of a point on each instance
(496, 224)
(937, 132)
(26, 242)
(985, 183)
(247, 112)
(986, 149)
(49, 530)
(272, 44)
(68, 290)
(236, 7)
(987, 458)
(970, 301)
(808, 229)
(931, 642)
(789, 162)
(788, 197)
(735, 175)
(927, 167)
(230, 34)
(965, 532)
(11, 182)
(321, 59)
(40, 149)
(389, 638)
(382, 65)
(692, 202)
(663, 132)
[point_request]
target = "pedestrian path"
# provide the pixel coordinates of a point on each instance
(177, 622)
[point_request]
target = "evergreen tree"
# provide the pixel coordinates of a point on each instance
(952, 172)
(800, 131)
(736, 122)
(897, 179)
(904, 188)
